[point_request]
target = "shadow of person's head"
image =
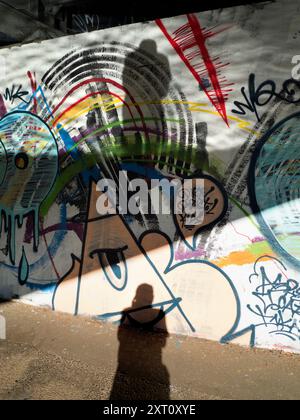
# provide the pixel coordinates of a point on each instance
(150, 63)
(144, 296)
(149, 46)
(143, 313)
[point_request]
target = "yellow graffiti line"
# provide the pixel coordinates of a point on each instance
(170, 102)
(242, 124)
(72, 115)
(109, 105)
(81, 108)
(90, 104)
(93, 103)
(115, 103)
(198, 107)
(36, 145)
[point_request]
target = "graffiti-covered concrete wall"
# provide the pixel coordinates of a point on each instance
(210, 99)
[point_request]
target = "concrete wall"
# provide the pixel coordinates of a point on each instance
(210, 96)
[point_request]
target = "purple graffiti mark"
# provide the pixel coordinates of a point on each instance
(3, 109)
(29, 229)
(150, 131)
(185, 255)
(257, 239)
(91, 131)
(75, 227)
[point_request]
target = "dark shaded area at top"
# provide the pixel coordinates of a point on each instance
(44, 19)
(134, 11)
(155, 8)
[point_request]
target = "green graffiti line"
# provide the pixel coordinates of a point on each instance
(240, 207)
(118, 124)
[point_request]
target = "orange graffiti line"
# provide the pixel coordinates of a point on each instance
(240, 258)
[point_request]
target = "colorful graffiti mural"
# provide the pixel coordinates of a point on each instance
(196, 97)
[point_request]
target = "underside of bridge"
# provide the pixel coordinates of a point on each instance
(36, 20)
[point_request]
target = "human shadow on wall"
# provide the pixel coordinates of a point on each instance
(146, 80)
(142, 334)
(140, 76)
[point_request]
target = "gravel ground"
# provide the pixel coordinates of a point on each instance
(49, 355)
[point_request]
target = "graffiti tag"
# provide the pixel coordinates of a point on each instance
(278, 296)
(266, 91)
(15, 93)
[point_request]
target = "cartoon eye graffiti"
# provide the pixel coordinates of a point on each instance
(28, 169)
(21, 161)
(113, 264)
(274, 191)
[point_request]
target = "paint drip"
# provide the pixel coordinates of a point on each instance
(23, 273)
(11, 221)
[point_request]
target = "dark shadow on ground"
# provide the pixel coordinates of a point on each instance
(142, 335)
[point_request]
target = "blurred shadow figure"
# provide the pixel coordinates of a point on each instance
(142, 334)
(152, 79)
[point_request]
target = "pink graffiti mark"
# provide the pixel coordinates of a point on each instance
(75, 227)
(239, 233)
(3, 109)
(189, 41)
(184, 255)
(257, 239)
(33, 88)
(70, 226)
